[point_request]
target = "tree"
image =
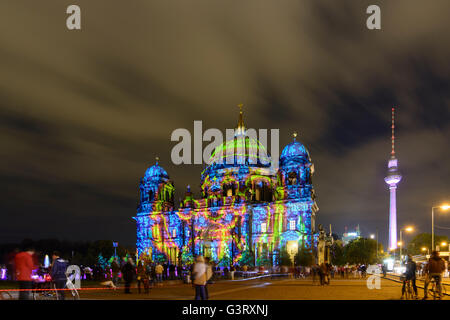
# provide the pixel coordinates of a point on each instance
(187, 258)
(225, 261)
(263, 258)
(361, 251)
(304, 257)
(285, 258)
(423, 240)
(102, 261)
(247, 258)
(337, 252)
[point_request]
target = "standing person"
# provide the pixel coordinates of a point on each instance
(165, 266)
(209, 274)
(434, 269)
(172, 271)
(24, 266)
(153, 274)
(383, 269)
(410, 275)
(323, 272)
(115, 269)
(199, 275)
(159, 269)
(142, 277)
(314, 272)
(58, 274)
(128, 272)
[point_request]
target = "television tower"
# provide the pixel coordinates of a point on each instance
(392, 179)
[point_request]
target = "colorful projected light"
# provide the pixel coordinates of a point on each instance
(246, 207)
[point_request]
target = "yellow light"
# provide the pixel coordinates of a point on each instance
(372, 236)
(444, 244)
(399, 243)
(409, 229)
(424, 249)
(445, 207)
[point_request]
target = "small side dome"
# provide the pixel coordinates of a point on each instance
(294, 152)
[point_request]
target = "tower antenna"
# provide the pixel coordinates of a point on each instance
(393, 133)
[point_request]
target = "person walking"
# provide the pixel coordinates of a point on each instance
(128, 272)
(434, 269)
(58, 274)
(24, 266)
(200, 278)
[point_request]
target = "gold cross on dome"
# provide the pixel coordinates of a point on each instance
(240, 105)
(294, 134)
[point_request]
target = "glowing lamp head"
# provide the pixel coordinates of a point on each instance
(445, 207)
(399, 243)
(409, 229)
(424, 249)
(444, 244)
(372, 236)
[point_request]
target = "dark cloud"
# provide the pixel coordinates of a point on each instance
(83, 114)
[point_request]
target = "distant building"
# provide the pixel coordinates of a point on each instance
(349, 236)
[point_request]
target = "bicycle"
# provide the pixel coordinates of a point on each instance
(44, 291)
(73, 290)
(408, 290)
(433, 290)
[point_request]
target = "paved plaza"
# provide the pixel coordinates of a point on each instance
(286, 289)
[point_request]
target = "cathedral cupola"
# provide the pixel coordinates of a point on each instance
(155, 188)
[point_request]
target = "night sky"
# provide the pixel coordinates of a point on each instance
(84, 113)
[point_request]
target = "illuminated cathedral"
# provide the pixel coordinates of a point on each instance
(246, 207)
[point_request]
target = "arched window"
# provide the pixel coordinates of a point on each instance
(292, 178)
(150, 195)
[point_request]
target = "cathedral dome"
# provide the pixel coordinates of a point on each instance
(155, 172)
(294, 152)
(240, 150)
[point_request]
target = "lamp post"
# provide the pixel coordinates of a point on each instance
(407, 229)
(372, 236)
(442, 207)
(115, 244)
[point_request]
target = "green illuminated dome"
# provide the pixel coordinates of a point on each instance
(241, 151)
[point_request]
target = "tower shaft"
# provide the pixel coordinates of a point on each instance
(393, 217)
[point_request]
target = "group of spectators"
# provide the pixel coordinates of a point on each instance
(25, 263)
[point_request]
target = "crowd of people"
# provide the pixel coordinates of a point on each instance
(25, 269)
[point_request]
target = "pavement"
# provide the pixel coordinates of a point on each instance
(264, 289)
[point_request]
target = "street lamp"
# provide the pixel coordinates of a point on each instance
(442, 207)
(426, 249)
(407, 229)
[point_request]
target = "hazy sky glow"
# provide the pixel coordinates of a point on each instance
(84, 113)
